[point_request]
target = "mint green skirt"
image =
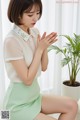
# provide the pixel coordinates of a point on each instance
(23, 102)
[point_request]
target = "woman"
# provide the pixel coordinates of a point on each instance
(25, 55)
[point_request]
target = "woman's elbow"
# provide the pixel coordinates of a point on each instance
(27, 82)
(44, 69)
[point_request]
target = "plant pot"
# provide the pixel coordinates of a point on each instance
(70, 91)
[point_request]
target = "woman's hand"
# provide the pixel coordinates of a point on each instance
(45, 41)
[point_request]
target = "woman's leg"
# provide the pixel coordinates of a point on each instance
(42, 116)
(64, 105)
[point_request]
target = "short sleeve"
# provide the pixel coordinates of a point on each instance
(12, 49)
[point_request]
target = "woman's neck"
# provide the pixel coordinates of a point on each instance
(24, 28)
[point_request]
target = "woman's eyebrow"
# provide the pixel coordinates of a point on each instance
(31, 12)
(34, 11)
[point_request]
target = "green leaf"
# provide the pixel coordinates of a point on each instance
(52, 47)
(65, 51)
(65, 61)
(69, 39)
(77, 37)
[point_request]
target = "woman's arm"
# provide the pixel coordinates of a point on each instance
(26, 74)
(44, 60)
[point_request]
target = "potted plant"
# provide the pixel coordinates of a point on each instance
(71, 53)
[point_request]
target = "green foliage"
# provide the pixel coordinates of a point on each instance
(71, 53)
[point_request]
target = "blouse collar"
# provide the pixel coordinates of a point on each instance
(21, 33)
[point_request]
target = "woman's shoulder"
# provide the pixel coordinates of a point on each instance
(10, 39)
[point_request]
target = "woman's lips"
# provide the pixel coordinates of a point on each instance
(33, 23)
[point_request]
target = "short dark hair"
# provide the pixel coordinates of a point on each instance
(17, 7)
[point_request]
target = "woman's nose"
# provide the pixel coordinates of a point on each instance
(35, 18)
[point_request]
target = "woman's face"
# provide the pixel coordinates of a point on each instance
(29, 19)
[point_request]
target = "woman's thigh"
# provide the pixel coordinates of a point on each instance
(55, 104)
(42, 116)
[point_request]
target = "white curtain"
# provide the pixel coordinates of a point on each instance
(50, 81)
(2, 78)
(60, 16)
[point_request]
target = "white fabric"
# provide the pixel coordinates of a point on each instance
(17, 46)
(12, 49)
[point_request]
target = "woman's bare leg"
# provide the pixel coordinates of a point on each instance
(64, 105)
(42, 116)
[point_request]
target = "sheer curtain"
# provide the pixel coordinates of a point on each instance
(2, 87)
(50, 81)
(60, 16)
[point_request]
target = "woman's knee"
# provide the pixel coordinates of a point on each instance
(72, 105)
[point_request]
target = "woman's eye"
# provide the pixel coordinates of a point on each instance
(38, 13)
(30, 15)
(33, 14)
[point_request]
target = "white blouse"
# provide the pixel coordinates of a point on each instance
(19, 45)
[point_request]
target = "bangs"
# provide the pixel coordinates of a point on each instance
(37, 8)
(28, 6)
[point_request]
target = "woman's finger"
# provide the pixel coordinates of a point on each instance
(53, 38)
(50, 36)
(53, 41)
(43, 36)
